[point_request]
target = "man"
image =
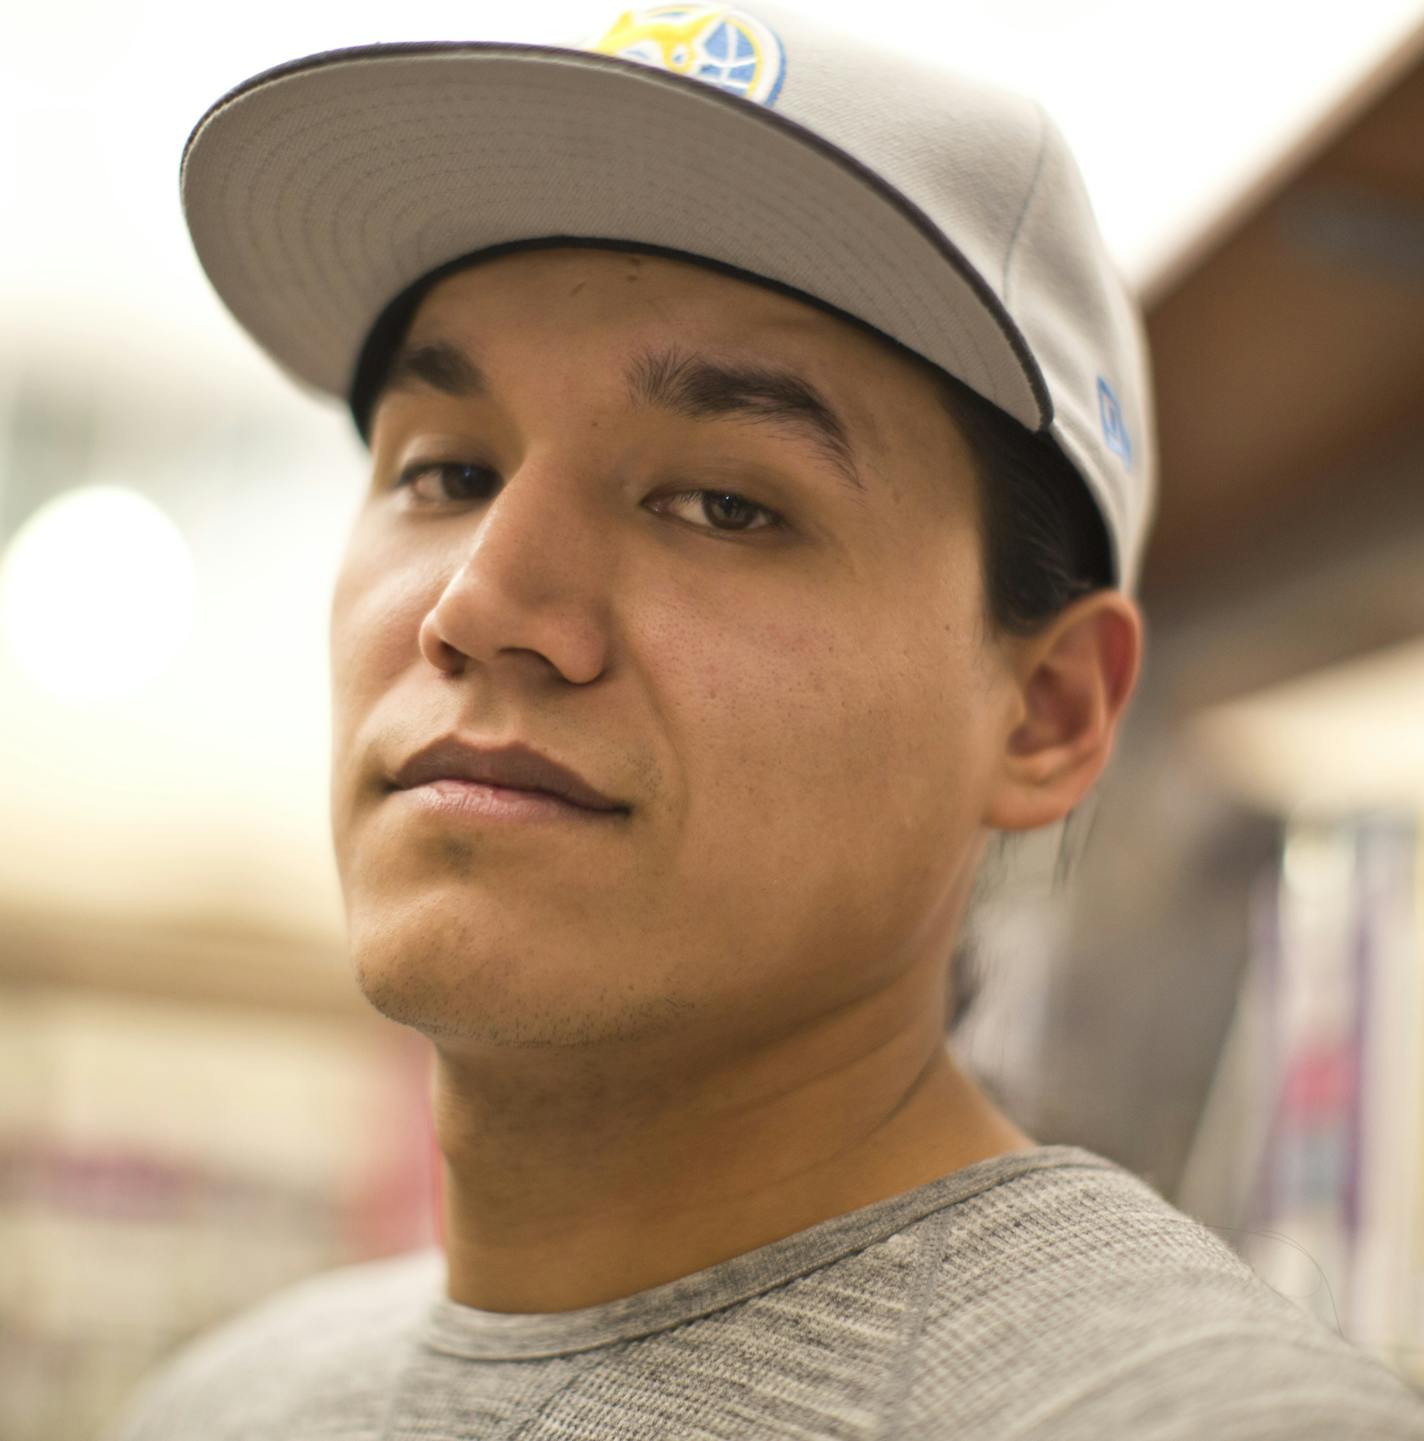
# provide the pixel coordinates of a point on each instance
(760, 464)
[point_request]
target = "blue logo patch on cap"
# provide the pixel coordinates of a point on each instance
(727, 48)
(1114, 428)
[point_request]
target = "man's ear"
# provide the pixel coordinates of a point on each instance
(1072, 681)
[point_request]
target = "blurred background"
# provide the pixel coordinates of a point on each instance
(1224, 995)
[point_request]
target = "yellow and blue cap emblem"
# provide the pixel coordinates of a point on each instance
(727, 48)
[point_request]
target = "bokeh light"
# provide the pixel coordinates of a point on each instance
(97, 593)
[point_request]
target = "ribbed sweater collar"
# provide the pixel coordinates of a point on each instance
(478, 1335)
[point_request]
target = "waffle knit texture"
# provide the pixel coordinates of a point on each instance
(1045, 1294)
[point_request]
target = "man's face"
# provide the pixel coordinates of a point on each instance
(798, 715)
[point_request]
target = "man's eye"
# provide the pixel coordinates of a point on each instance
(725, 509)
(471, 482)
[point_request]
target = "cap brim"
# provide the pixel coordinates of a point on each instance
(319, 190)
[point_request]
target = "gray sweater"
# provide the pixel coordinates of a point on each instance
(1049, 1294)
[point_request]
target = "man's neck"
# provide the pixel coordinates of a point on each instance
(567, 1183)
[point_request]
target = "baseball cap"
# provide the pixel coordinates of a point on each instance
(324, 194)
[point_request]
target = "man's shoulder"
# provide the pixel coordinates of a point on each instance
(1081, 1301)
(1081, 1217)
(324, 1345)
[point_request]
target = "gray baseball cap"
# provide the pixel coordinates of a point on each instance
(324, 194)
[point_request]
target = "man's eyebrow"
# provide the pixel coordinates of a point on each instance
(700, 388)
(694, 386)
(439, 364)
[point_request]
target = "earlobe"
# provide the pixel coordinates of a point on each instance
(1074, 681)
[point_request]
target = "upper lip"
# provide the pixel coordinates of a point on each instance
(518, 766)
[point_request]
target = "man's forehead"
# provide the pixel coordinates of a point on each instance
(624, 305)
(605, 292)
(873, 413)
(556, 265)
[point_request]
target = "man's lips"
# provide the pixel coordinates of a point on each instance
(480, 801)
(514, 766)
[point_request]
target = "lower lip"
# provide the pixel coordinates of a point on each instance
(474, 800)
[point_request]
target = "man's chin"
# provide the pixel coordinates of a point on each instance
(459, 1001)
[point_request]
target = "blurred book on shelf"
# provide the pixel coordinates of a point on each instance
(165, 1164)
(1309, 1158)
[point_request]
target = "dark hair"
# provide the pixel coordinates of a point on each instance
(1044, 546)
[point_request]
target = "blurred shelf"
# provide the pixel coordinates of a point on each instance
(208, 959)
(1288, 368)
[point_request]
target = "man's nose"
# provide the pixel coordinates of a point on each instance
(531, 575)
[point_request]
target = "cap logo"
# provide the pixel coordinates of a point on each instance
(727, 48)
(1114, 428)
